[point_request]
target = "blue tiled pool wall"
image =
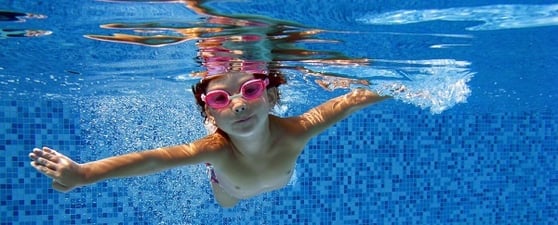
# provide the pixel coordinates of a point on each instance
(24, 125)
(379, 166)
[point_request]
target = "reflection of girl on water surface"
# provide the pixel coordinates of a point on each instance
(250, 153)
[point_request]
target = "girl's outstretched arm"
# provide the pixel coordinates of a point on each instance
(325, 115)
(67, 174)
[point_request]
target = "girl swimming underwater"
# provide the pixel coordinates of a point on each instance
(251, 152)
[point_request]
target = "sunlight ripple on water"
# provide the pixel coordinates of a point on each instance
(494, 17)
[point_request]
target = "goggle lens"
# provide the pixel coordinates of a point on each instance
(252, 89)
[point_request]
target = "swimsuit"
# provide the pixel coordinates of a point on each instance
(211, 173)
(213, 177)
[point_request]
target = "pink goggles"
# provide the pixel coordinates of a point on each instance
(250, 90)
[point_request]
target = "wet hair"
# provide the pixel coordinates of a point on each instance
(275, 77)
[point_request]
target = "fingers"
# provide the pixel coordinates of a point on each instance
(49, 150)
(43, 169)
(45, 161)
(46, 153)
(50, 154)
(35, 153)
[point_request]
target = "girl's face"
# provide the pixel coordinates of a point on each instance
(241, 117)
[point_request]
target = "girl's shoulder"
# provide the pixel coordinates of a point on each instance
(214, 147)
(214, 142)
(295, 127)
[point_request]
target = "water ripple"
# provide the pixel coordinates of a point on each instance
(434, 84)
(494, 17)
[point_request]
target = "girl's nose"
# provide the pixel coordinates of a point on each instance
(239, 107)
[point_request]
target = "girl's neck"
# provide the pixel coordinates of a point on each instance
(255, 145)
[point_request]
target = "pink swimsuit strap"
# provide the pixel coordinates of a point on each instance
(211, 173)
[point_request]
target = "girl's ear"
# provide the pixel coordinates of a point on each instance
(273, 95)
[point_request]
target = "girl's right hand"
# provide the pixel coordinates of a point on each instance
(66, 174)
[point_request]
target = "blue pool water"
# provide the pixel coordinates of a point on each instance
(474, 142)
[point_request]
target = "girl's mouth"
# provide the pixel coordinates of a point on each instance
(244, 119)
